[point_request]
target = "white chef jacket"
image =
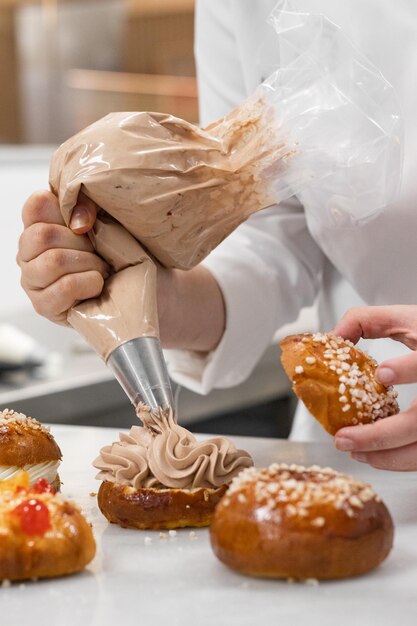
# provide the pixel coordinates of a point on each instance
(280, 260)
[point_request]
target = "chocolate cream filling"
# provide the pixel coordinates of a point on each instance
(162, 454)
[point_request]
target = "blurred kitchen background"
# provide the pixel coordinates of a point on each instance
(64, 64)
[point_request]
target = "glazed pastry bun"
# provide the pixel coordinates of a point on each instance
(26, 445)
(158, 509)
(300, 523)
(41, 534)
(336, 381)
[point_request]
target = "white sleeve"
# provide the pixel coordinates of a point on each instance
(219, 74)
(270, 267)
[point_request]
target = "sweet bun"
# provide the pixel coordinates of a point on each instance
(159, 476)
(41, 534)
(25, 444)
(300, 523)
(336, 381)
(153, 509)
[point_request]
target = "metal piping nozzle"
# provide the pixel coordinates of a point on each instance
(140, 368)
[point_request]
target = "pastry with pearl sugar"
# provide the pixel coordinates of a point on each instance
(336, 381)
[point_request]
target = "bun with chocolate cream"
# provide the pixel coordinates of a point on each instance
(300, 523)
(41, 534)
(158, 508)
(336, 381)
(27, 445)
(160, 477)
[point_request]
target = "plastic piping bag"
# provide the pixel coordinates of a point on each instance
(325, 126)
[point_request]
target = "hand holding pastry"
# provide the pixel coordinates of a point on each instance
(391, 443)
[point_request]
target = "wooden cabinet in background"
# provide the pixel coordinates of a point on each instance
(10, 127)
(65, 63)
(157, 66)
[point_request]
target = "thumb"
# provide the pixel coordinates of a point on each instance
(400, 370)
(83, 215)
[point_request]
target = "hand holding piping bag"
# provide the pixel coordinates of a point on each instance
(122, 324)
(60, 269)
(390, 443)
(109, 296)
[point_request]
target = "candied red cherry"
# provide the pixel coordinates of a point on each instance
(42, 486)
(33, 517)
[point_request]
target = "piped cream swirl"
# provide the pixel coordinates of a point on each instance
(164, 454)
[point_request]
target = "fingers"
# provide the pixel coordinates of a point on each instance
(390, 432)
(402, 459)
(41, 237)
(398, 371)
(54, 301)
(398, 322)
(390, 443)
(83, 215)
(55, 263)
(41, 206)
(59, 267)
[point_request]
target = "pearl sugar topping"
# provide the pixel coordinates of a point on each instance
(357, 388)
(300, 490)
(9, 417)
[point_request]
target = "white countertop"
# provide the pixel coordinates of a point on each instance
(178, 581)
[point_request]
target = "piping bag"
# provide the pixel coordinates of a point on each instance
(122, 324)
(324, 126)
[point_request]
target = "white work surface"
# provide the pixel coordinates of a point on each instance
(178, 582)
